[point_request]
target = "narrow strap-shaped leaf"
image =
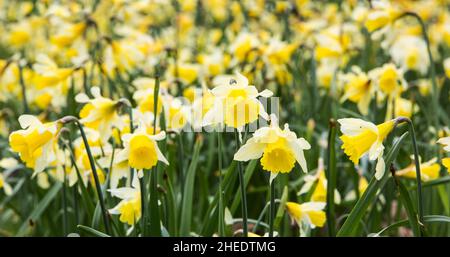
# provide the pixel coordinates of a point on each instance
(40, 208)
(188, 192)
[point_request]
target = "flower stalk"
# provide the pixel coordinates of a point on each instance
(98, 187)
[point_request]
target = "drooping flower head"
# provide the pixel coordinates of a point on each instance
(35, 142)
(310, 213)
(99, 113)
(129, 208)
(278, 149)
(361, 137)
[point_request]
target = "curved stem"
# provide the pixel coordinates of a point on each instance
(418, 173)
(432, 69)
(96, 179)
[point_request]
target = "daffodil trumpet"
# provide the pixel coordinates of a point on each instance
(69, 119)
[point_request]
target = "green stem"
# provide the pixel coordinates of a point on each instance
(155, 224)
(65, 201)
(221, 207)
(331, 179)
(432, 70)
(22, 85)
(242, 186)
(272, 208)
(418, 173)
(96, 179)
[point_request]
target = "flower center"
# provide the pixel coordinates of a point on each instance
(278, 157)
(142, 152)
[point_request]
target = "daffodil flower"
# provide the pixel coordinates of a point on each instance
(429, 170)
(6, 164)
(129, 208)
(35, 142)
(361, 137)
(141, 149)
(236, 102)
(358, 88)
(99, 113)
(320, 190)
(98, 148)
(309, 213)
(446, 142)
(279, 149)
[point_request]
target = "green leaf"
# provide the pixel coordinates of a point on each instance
(188, 192)
(428, 219)
(281, 208)
(91, 231)
(351, 223)
(40, 208)
(409, 207)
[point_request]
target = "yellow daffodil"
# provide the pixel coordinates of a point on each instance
(358, 88)
(429, 170)
(129, 208)
(361, 137)
(309, 213)
(35, 142)
(446, 142)
(99, 113)
(382, 14)
(7, 164)
(236, 102)
(278, 149)
(388, 79)
(177, 113)
(48, 73)
(98, 148)
(320, 190)
(447, 67)
(410, 53)
(141, 149)
(144, 95)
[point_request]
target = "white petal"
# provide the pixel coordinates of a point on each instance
(160, 136)
(249, 151)
(312, 206)
(220, 91)
(95, 91)
(376, 150)
(7, 188)
(81, 98)
(380, 168)
(266, 93)
(297, 147)
(123, 192)
(27, 120)
(241, 79)
(161, 157)
(446, 142)
(122, 155)
(353, 126)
